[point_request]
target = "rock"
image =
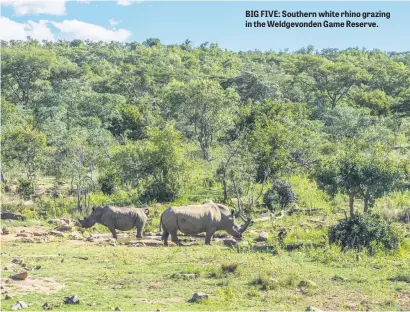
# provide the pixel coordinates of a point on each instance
(5, 231)
(19, 305)
(17, 261)
(198, 296)
(67, 221)
(307, 284)
(313, 309)
(12, 216)
(263, 237)
(230, 242)
(24, 234)
(77, 223)
(117, 309)
(185, 276)
(135, 244)
(20, 276)
(46, 306)
(64, 228)
(57, 233)
(76, 236)
(1, 287)
(39, 233)
(90, 238)
(8, 297)
(339, 278)
(71, 300)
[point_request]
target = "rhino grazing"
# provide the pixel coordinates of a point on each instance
(123, 219)
(208, 217)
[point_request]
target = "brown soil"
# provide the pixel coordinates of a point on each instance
(41, 285)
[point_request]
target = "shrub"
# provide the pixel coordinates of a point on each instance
(266, 282)
(280, 194)
(364, 232)
(229, 268)
(25, 188)
(108, 184)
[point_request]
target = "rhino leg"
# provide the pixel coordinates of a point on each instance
(139, 232)
(113, 232)
(175, 239)
(208, 236)
(164, 237)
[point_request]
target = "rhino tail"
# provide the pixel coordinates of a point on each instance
(160, 222)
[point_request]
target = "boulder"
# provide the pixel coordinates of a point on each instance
(12, 216)
(71, 300)
(20, 276)
(19, 305)
(76, 236)
(5, 231)
(198, 296)
(64, 228)
(24, 234)
(57, 233)
(263, 237)
(230, 242)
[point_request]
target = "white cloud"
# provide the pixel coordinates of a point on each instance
(127, 2)
(114, 22)
(68, 29)
(12, 30)
(23, 7)
(74, 29)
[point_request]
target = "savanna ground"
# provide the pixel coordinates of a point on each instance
(248, 276)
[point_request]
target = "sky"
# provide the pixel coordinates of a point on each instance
(212, 21)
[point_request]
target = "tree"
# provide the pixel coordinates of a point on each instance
(360, 174)
(23, 71)
(203, 108)
(330, 80)
(25, 146)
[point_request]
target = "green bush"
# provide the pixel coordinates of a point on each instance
(108, 183)
(280, 194)
(364, 232)
(25, 188)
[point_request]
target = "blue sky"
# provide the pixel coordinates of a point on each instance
(217, 22)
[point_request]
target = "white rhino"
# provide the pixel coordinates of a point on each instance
(208, 217)
(123, 219)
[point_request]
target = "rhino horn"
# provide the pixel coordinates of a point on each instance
(248, 222)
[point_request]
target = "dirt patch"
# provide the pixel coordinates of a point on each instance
(404, 299)
(46, 285)
(22, 229)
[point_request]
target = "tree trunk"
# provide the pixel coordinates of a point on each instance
(366, 204)
(351, 204)
(225, 188)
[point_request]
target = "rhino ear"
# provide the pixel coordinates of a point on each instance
(232, 211)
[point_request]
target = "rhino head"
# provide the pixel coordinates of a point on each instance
(228, 222)
(92, 219)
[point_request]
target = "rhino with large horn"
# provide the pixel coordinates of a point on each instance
(208, 217)
(123, 219)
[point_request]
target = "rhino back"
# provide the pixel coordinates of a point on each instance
(192, 219)
(123, 219)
